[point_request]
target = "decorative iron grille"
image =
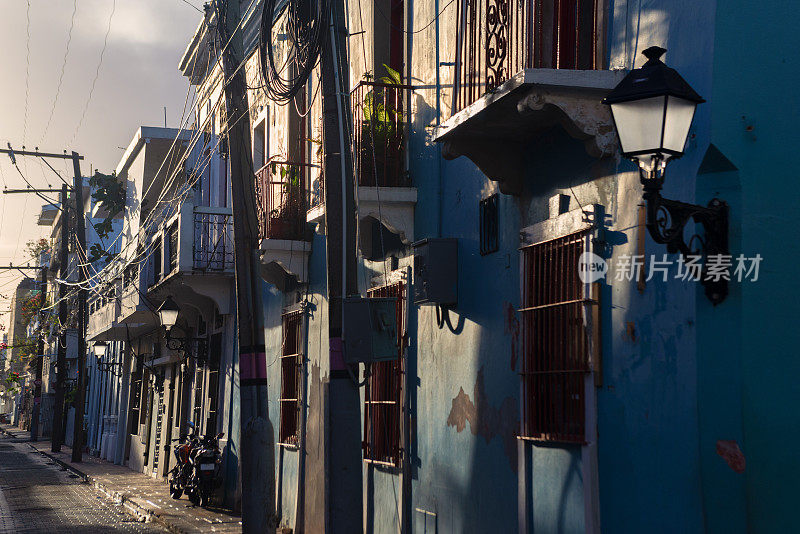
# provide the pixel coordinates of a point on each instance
(382, 406)
(555, 341)
(213, 242)
(379, 123)
(289, 400)
(489, 224)
(280, 195)
(499, 38)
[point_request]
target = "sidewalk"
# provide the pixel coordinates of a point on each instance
(145, 497)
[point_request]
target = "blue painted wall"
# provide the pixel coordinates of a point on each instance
(678, 374)
(754, 117)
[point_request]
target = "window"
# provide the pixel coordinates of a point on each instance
(172, 234)
(556, 344)
(382, 406)
(499, 38)
(289, 400)
(136, 396)
(214, 356)
(157, 261)
(488, 224)
(259, 145)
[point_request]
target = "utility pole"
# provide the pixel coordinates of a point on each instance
(81, 239)
(344, 431)
(37, 382)
(80, 233)
(61, 361)
(257, 458)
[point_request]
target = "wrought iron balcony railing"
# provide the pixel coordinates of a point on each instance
(499, 38)
(379, 130)
(280, 194)
(213, 241)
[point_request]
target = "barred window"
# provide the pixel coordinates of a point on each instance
(556, 344)
(382, 397)
(489, 224)
(289, 400)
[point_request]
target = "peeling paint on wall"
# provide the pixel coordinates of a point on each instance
(486, 420)
(730, 452)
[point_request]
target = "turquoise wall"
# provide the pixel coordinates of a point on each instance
(754, 118)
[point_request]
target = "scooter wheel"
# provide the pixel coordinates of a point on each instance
(204, 500)
(194, 497)
(174, 492)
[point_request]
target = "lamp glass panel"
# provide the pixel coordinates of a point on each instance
(639, 123)
(168, 317)
(679, 120)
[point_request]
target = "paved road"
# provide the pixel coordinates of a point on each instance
(37, 495)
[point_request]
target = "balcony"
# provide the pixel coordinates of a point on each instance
(386, 198)
(523, 67)
(190, 257)
(281, 202)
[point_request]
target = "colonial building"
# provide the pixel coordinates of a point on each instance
(176, 242)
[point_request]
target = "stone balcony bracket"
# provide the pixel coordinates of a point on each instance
(284, 261)
(392, 206)
(494, 130)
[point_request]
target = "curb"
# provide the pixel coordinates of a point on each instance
(141, 513)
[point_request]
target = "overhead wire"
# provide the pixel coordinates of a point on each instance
(63, 69)
(27, 66)
(97, 72)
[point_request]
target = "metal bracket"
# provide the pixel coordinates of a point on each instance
(667, 220)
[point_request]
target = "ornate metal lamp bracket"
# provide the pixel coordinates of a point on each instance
(666, 223)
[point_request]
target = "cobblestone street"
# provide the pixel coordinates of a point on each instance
(37, 495)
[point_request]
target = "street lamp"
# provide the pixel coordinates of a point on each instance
(652, 108)
(168, 315)
(99, 350)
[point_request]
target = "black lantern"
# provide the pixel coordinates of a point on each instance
(168, 315)
(114, 367)
(653, 108)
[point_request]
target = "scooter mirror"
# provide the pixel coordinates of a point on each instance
(220, 435)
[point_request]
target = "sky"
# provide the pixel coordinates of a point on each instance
(137, 78)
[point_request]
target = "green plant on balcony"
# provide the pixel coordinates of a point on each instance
(381, 135)
(284, 218)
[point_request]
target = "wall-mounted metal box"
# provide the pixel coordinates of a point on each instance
(436, 271)
(370, 329)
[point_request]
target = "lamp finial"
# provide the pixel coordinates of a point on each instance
(654, 53)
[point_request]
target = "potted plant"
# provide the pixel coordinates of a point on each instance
(381, 132)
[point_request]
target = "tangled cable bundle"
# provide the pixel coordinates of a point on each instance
(306, 23)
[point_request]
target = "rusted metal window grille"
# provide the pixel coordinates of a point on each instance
(213, 241)
(382, 407)
(289, 400)
(379, 134)
(555, 341)
(499, 38)
(488, 223)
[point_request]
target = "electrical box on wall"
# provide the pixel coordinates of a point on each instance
(436, 271)
(370, 329)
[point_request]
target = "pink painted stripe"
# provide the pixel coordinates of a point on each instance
(252, 365)
(337, 355)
